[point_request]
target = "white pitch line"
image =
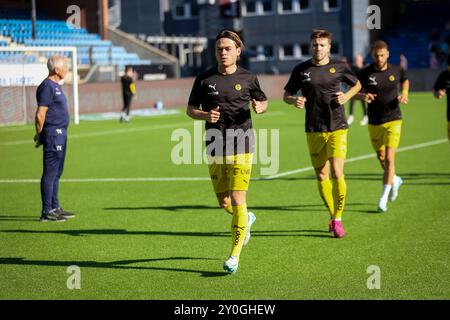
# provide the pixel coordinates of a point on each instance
(363, 157)
(103, 133)
(107, 180)
(283, 174)
(126, 130)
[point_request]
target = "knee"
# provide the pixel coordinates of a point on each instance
(322, 176)
(237, 198)
(223, 204)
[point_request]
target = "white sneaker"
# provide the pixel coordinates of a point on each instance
(231, 265)
(395, 186)
(364, 121)
(251, 219)
(350, 120)
(382, 205)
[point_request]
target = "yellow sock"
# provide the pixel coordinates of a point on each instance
(339, 193)
(238, 229)
(229, 209)
(325, 190)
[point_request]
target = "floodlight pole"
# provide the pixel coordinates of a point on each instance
(33, 19)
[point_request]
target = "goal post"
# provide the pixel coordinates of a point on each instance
(40, 50)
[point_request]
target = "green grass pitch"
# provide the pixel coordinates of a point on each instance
(168, 239)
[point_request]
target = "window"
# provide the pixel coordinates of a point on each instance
(251, 6)
(304, 5)
(334, 48)
(305, 49)
(293, 6)
(288, 50)
(179, 10)
(263, 52)
(286, 5)
(185, 9)
(268, 51)
(257, 7)
(267, 6)
(331, 5)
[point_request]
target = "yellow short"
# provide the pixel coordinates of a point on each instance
(325, 145)
(385, 135)
(230, 172)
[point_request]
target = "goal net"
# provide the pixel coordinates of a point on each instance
(22, 69)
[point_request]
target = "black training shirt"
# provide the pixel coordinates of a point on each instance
(232, 93)
(385, 84)
(443, 82)
(319, 85)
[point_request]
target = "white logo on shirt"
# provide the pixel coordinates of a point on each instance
(306, 76)
(373, 81)
(212, 90)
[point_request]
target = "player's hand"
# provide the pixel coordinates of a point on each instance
(37, 141)
(300, 102)
(369, 97)
(341, 98)
(403, 99)
(258, 106)
(440, 93)
(213, 115)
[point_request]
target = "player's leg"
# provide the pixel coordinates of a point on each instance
(350, 118)
(365, 119)
(318, 154)
(337, 152)
(51, 162)
(217, 173)
(378, 138)
(326, 190)
(239, 176)
(393, 141)
(126, 108)
(224, 200)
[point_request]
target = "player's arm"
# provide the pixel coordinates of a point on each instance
(439, 93)
(39, 121)
(342, 98)
(198, 114)
(439, 90)
(403, 97)
(259, 106)
(297, 101)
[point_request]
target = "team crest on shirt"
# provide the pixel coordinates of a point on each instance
(391, 78)
(332, 70)
(238, 87)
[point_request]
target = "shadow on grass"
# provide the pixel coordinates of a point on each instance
(102, 232)
(122, 264)
(300, 207)
(18, 218)
(405, 176)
